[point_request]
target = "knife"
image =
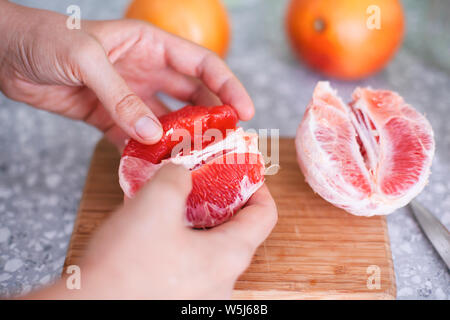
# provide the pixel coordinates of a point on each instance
(436, 232)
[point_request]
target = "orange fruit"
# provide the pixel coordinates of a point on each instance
(341, 38)
(204, 22)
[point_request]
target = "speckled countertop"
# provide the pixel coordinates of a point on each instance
(44, 158)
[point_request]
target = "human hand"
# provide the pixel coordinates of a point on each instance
(146, 251)
(109, 72)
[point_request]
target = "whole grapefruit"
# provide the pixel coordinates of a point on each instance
(203, 22)
(346, 39)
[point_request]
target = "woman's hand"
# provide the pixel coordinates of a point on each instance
(145, 250)
(109, 72)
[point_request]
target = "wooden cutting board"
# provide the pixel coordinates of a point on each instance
(316, 251)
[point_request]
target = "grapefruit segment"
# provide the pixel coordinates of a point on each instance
(226, 166)
(369, 157)
(182, 123)
(134, 173)
(220, 187)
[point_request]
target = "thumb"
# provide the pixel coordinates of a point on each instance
(164, 198)
(124, 106)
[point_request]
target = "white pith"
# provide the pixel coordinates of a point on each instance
(326, 179)
(234, 142)
(367, 135)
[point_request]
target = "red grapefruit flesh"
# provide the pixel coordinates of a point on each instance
(369, 157)
(225, 163)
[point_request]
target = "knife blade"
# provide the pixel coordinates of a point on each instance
(436, 232)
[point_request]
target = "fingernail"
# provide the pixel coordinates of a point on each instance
(148, 129)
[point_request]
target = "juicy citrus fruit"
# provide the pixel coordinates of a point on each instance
(369, 157)
(225, 163)
(341, 38)
(203, 22)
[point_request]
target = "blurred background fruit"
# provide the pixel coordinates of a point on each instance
(204, 22)
(333, 36)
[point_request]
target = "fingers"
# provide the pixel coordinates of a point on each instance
(204, 97)
(163, 199)
(159, 108)
(183, 57)
(253, 224)
(125, 107)
(117, 136)
(186, 88)
(190, 59)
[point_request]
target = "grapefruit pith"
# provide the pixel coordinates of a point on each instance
(225, 163)
(369, 157)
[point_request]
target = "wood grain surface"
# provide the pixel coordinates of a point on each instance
(316, 250)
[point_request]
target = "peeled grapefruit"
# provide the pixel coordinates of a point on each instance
(224, 160)
(369, 157)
